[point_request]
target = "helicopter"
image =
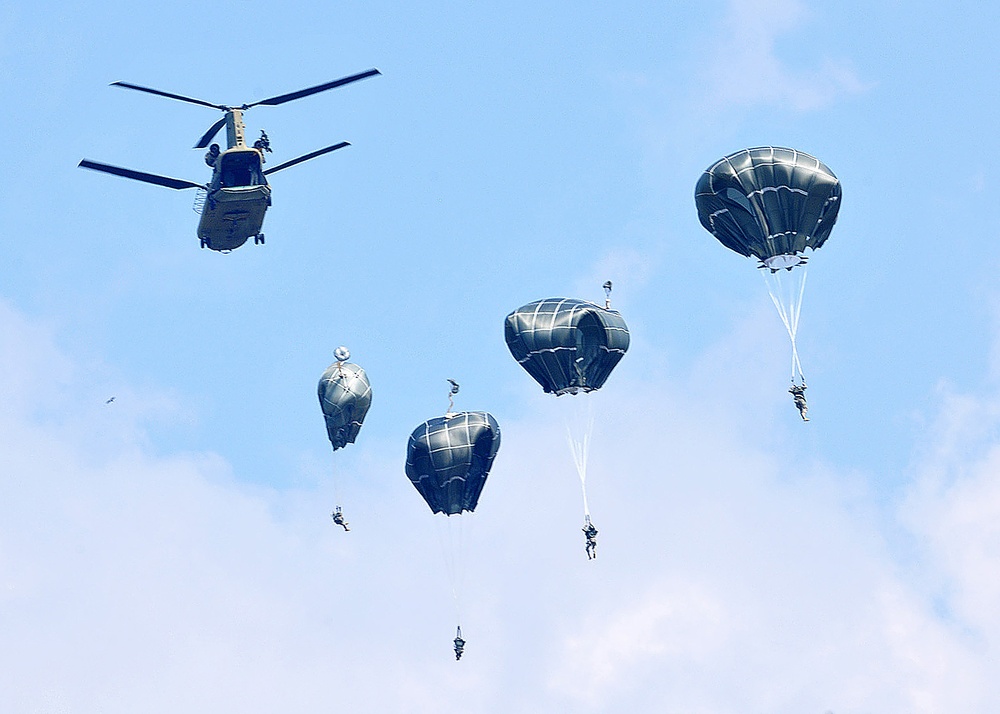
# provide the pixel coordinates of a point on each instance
(233, 203)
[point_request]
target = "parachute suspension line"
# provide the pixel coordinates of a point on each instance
(451, 536)
(579, 446)
(794, 315)
(786, 293)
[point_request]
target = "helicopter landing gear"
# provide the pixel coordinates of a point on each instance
(259, 239)
(204, 242)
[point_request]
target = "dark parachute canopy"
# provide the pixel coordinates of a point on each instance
(345, 395)
(768, 201)
(567, 345)
(448, 459)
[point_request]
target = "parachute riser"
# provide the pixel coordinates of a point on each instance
(335, 480)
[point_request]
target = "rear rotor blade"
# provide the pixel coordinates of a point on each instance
(306, 157)
(169, 95)
(140, 176)
(210, 134)
(274, 101)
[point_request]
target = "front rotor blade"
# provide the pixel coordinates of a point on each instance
(312, 155)
(140, 176)
(274, 101)
(210, 134)
(169, 95)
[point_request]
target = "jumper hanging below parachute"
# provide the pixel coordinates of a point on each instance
(459, 644)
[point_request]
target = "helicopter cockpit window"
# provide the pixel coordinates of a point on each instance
(241, 169)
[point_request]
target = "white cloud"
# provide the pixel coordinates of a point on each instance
(746, 67)
(676, 621)
(954, 509)
(727, 580)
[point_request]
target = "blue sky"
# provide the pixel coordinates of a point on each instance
(173, 550)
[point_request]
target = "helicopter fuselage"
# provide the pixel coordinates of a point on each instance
(236, 200)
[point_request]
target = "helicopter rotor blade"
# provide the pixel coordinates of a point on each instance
(306, 157)
(140, 175)
(274, 101)
(169, 95)
(210, 134)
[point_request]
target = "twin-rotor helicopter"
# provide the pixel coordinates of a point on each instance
(233, 203)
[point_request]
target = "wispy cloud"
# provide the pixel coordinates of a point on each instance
(746, 67)
(954, 510)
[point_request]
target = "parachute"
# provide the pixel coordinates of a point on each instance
(769, 202)
(569, 346)
(345, 396)
(566, 345)
(772, 203)
(448, 459)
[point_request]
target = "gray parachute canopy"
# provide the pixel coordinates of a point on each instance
(345, 395)
(768, 201)
(567, 345)
(448, 459)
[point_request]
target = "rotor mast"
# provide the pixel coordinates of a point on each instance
(235, 129)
